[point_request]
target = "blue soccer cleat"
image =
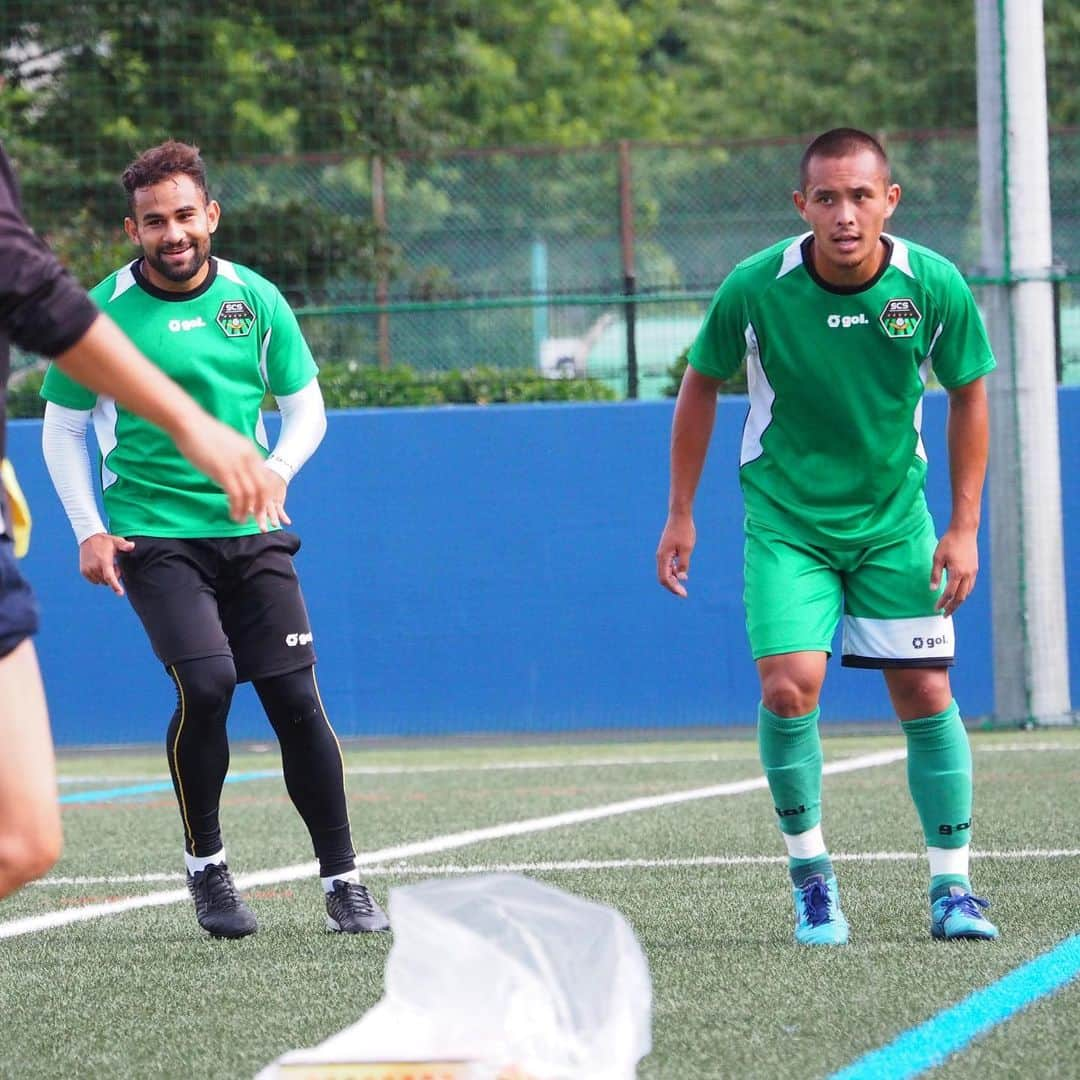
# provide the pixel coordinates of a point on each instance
(959, 916)
(818, 918)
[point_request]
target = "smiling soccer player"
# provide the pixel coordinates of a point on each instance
(219, 600)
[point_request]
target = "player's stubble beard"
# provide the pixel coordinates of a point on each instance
(200, 252)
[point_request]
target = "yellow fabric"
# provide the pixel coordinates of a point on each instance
(19, 508)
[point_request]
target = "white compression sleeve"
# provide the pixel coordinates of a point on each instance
(63, 441)
(303, 425)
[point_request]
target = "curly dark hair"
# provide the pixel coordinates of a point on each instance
(159, 163)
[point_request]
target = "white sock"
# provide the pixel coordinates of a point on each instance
(952, 861)
(194, 864)
(349, 875)
(805, 845)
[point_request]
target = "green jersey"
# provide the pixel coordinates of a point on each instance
(831, 449)
(226, 343)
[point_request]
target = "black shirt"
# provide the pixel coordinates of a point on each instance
(42, 308)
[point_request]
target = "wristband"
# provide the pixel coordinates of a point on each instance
(280, 466)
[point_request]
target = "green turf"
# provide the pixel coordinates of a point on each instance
(146, 994)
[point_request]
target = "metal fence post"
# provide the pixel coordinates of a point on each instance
(626, 234)
(382, 283)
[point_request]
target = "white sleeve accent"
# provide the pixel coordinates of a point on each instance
(63, 440)
(303, 425)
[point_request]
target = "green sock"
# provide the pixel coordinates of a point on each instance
(939, 776)
(942, 883)
(790, 748)
(802, 870)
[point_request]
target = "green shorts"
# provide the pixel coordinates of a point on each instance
(795, 594)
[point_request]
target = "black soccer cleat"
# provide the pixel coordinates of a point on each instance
(351, 909)
(218, 907)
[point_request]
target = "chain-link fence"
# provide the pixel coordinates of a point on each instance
(535, 258)
(596, 261)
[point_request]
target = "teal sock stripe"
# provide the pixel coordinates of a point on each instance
(802, 870)
(942, 883)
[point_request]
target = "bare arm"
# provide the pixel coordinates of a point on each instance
(105, 361)
(691, 430)
(969, 444)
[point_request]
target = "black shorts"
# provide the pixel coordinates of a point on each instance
(232, 596)
(18, 609)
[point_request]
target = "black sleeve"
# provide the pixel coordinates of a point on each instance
(42, 308)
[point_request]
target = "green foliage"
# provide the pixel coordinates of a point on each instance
(735, 385)
(1062, 19)
(23, 399)
(321, 245)
(88, 247)
(361, 76)
(565, 72)
(297, 76)
(348, 385)
(489, 386)
(752, 68)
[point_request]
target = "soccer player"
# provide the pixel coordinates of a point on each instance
(43, 310)
(839, 328)
(220, 601)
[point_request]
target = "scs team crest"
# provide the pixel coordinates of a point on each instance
(901, 318)
(235, 318)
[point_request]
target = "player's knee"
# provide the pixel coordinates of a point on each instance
(919, 692)
(302, 709)
(27, 854)
(786, 695)
(205, 687)
(292, 701)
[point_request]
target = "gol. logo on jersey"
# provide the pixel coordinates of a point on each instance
(901, 318)
(235, 318)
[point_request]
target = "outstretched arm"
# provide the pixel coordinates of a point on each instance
(691, 430)
(957, 552)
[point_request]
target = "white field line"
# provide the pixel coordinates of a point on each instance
(403, 868)
(449, 842)
(569, 763)
(1035, 748)
(487, 766)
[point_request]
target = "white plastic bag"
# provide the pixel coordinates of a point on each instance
(502, 971)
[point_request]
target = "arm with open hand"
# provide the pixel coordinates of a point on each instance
(957, 552)
(691, 430)
(303, 425)
(63, 441)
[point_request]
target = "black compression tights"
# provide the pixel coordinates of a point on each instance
(197, 747)
(199, 756)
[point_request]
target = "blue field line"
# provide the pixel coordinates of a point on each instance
(158, 786)
(928, 1045)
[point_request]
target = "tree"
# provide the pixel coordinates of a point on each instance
(752, 68)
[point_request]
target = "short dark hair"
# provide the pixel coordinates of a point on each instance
(159, 163)
(841, 142)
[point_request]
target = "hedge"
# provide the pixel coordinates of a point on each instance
(349, 385)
